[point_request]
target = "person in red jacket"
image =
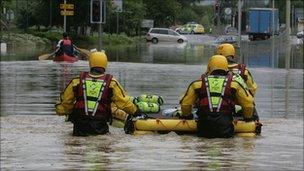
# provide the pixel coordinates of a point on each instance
(65, 45)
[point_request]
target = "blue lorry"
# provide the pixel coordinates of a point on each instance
(262, 23)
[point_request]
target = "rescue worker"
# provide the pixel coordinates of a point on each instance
(65, 45)
(215, 96)
(228, 51)
(87, 99)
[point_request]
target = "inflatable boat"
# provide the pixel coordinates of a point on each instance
(65, 58)
(159, 123)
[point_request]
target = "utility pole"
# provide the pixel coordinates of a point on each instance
(98, 16)
(50, 13)
(117, 22)
(240, 4)
(288, 49)
(64, 18)
(272, 36)
(27, 16)
(99, 36)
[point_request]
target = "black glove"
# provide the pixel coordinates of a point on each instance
(137, 113)
(129, 125)
(186, 117)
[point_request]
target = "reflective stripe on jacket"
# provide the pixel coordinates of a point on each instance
(242, 97)
(118, 96)
(93, 96)
(216, 96)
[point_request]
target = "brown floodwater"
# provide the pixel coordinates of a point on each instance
(34, 138)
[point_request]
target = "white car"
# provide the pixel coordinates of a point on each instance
(300, 34)
(156, 35)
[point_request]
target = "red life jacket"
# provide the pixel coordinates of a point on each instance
(239, 69)
(103, 109)
(67, 47)
(227, 103)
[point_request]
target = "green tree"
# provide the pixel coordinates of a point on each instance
(186, 15)
(163, 12)
(135, 11)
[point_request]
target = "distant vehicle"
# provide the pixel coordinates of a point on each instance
(300, 39)
(262, 23)
(191, 29)
(156, 35)
(226, 39)
(230, 30)
(300, 35)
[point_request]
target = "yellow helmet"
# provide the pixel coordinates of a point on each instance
(217, 62)
(226, 50)
(98, 59)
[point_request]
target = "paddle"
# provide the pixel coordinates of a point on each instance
(84, 52)
(45, 56)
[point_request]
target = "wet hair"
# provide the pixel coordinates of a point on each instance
(64, 34)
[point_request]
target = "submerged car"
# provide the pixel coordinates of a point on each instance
(156, 35)
(191, 29)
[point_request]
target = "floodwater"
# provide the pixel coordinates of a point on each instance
(34, 138)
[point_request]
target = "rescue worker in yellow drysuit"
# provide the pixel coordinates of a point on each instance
(228, 51)
(215, 95)
(87, 99)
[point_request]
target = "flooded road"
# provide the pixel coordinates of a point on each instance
(34, 138)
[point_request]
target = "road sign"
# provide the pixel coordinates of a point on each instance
(67, 6)
(147, 23)
(117, 5)
(69, 13)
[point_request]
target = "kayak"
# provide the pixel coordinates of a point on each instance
(163, 124)
(65, 58)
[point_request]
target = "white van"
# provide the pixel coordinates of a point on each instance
(156, 35)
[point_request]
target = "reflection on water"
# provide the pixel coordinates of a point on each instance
(271, 53)
(33, 138)
(254, 54)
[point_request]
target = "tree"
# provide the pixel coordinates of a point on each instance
(134, 13)
(163, 12)
(186, 15)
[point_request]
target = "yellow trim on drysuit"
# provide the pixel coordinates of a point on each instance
(120, 98)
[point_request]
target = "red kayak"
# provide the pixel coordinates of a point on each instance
(65, 58)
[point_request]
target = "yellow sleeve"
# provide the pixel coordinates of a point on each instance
(67, 99)
(189, 98)
(121, 99)
(244, 98)
(252, 86)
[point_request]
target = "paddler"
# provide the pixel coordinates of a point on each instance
(65, 45)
